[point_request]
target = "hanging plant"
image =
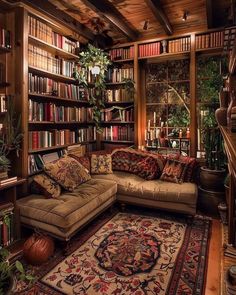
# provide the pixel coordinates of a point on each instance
(94, 59)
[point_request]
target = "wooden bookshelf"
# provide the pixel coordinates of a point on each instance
(61, 58)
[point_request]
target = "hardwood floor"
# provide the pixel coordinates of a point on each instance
(213, 283)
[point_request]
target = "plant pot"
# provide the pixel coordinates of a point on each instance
(208, 201)
(212, 180)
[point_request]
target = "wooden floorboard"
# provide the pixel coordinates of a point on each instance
(213, 285)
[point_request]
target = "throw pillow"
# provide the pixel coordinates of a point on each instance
(145, 167)
(121, 160)
(46, 186)
(68, 172)
(101, 164)
(191, 169)
(173, 171)
(83, 160)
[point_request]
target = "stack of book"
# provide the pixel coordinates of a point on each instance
(6, 224)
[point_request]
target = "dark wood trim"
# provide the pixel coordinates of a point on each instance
(113, 16)
(193, 112)
(209, 14)
(160, 15)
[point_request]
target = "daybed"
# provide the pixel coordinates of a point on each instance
(64, 215)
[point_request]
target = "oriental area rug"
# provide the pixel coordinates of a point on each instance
(133, 254)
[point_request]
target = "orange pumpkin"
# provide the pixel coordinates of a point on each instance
(38, 248)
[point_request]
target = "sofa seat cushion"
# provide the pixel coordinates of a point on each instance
(133, 185)
(70, 207)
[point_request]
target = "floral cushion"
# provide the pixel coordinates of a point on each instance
(174, 171)
(101, 164)
(46, 186)
(68, 172)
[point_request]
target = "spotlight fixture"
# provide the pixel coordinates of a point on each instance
(185, 15)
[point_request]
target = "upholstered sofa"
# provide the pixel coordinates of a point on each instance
(66, 214)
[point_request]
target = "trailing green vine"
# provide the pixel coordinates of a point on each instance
(90, 58)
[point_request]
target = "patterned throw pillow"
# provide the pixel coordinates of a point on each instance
(144, 164)
(191, 169)
(46, 186)
(101, 164)
(174, 171)
(83, 160)
(68, 172)
(121, 160)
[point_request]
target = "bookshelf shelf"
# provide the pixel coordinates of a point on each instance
(60, 123)
(210, 50)
(4, 84)
(183, 54)
(117, 122)
(115, 83)
(51, 75)
(123, 60)
(59, 147)
(53, 49)
(55, 98)
(119, 141)
(4, 50)
(118, 102)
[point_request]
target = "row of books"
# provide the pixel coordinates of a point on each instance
(3, 103)
(179, 45)
(5, 38)
(45, 33)
(118, 114)
(210, 40)
(6, 224)
(121, 53)
(53, 113)
(120, 94)
(118, 133)
(54, 137)
(47, 61)
(115, 75)
(44, 85)
(149, 49)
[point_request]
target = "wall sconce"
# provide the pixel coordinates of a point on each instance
(185, 15)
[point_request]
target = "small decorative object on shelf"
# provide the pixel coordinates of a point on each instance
(221, 112)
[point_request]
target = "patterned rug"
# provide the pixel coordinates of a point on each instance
(132, 254)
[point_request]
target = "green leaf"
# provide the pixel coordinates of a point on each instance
(20, 267)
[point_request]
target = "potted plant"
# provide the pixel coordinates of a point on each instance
(94, 61)
(213, 173)
(10, 274)
(10, 138)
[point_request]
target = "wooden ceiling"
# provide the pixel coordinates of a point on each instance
(118, 21)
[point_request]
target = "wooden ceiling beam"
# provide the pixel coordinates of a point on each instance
(160, 15)
(209, 13)
(61, 16)
(106, 10)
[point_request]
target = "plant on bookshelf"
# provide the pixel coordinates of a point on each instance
(96, 61)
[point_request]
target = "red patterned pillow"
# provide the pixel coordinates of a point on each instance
(121, 160)
(191, 170)
(145, 167)
(83, 160)
(174, 171)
